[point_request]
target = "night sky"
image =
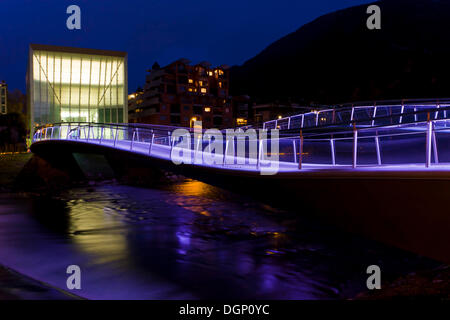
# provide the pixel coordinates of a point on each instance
(221, 32)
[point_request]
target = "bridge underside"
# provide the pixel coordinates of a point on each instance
(405, 208)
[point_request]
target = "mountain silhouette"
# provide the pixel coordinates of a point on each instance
(336, 58)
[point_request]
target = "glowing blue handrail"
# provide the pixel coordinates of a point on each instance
(370, 114)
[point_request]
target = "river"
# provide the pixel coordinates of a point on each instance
(186, 240)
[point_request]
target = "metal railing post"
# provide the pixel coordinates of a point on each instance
(436, 155)
(333, 152)
(151, 143)
(260, 153)
(402, 110)
(294, 148)
(300, 158)
(198, 148)
(428, 142)
(355, 146)
(132, 140)
(377, 147)
(101, 135)
(172, 142)
(374, 114)
(226, 150)
(89, 132)
(115, 136)
(289, 123)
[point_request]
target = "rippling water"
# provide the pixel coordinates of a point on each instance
(186, 240)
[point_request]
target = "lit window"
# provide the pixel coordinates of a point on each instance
(191, 81)
(190, 89)
(207, 109)
(203, 90)
(241, 121)
(220, 84)
(210, 73)
(200, 83)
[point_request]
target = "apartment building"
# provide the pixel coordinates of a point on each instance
(179, 94)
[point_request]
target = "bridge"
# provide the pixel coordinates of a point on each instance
(384, 137)
(382, 170)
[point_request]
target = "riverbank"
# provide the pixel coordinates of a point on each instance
(11, 164)
(15, 286)
(430, 284)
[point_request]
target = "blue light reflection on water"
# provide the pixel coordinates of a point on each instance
(187, 240)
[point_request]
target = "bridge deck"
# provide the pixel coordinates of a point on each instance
(163, 152)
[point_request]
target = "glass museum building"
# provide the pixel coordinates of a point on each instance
(76, 85)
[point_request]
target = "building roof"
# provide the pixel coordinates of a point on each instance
(45, 47)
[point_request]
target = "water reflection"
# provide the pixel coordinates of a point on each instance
(187, 240)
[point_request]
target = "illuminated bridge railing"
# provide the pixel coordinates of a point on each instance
(380, 113)
(422, 141)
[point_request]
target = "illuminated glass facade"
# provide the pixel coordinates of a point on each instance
(76, 85)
